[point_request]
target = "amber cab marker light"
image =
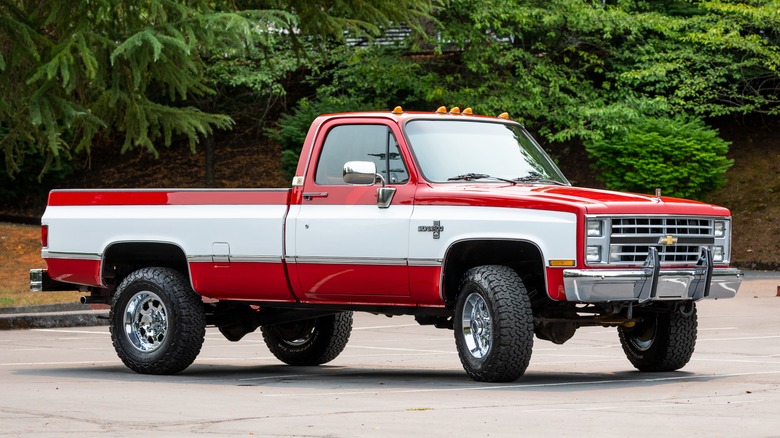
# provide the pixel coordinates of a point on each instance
(455, 111)
(468, 112)
(504, 116)
(398, 110)
(441, 110)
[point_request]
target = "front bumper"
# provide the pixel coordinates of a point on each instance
(650, 283)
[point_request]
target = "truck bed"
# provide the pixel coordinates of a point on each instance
(221, 233)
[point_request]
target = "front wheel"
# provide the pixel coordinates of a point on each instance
(309, 342)
(661, 341)
(494, 328)
(156, 321)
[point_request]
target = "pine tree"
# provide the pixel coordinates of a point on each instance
(130, 69)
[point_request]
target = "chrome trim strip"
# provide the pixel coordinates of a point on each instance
(347, 261)
(426, 262)
(236, 258)
(46, 254)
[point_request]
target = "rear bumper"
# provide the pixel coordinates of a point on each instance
(650, 283)
(41, 282)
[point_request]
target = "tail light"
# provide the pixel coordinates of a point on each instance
(45, 236)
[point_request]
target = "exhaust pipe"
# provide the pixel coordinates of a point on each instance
(95, 300)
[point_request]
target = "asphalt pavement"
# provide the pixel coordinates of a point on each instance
(396, 378)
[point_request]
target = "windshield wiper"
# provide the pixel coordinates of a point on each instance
(538, 179)
(473, 176)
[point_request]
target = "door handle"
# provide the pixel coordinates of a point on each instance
(308, 196)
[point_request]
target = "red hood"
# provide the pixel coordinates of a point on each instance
(560, 198)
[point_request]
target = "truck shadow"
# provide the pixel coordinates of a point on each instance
(328, 379)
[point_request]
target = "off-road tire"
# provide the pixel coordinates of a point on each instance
(661, 342)
(309, 342)
(157, 322)
(494, 330)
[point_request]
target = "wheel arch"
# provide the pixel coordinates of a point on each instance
(524, 256)
(121, 258)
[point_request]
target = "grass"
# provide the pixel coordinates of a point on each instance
(20, 251)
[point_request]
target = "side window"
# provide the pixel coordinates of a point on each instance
(374, 143)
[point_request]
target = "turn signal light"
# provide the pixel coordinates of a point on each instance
(44, 236)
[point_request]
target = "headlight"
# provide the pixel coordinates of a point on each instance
(720, 229)
(593, 254)
(717, 254)
(595, 228)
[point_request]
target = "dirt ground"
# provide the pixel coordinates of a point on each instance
(20, 251)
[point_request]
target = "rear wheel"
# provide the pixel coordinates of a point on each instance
(156, 321)
(493, 324)
(313, 341)
(661, 341)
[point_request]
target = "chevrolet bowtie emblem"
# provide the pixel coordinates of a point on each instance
(668, 240)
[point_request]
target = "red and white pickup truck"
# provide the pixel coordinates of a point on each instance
(460, 220)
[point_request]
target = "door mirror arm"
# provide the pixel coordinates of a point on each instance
(364, 173)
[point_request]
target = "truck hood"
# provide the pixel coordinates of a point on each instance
(561, 198)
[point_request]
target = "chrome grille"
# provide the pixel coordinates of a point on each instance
(631, 238)
(662, 226)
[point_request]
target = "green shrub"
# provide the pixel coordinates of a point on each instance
(682, 156)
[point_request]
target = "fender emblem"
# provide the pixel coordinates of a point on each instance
(668, 240)
(436, 228)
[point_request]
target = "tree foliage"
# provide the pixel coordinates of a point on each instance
(583, 71)
(75, 71)
(72, 70)
(684, 157)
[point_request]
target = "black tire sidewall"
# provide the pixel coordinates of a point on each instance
(511, 318)
(672, 344)
(329, 338)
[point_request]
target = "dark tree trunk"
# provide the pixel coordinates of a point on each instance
(208, 145)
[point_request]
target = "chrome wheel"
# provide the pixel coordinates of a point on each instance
(477, 325)
(146, 321)
(642, 344)
(297, 333)
(643, 340)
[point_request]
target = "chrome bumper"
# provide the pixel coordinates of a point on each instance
(651, 283)
(41, 282)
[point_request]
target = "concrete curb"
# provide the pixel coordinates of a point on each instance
(51, 316)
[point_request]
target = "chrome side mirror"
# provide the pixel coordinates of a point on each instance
(360, 172)
(364, 173)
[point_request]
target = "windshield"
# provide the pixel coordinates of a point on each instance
(452, 150)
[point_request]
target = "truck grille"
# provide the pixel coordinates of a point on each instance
(632, 237)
